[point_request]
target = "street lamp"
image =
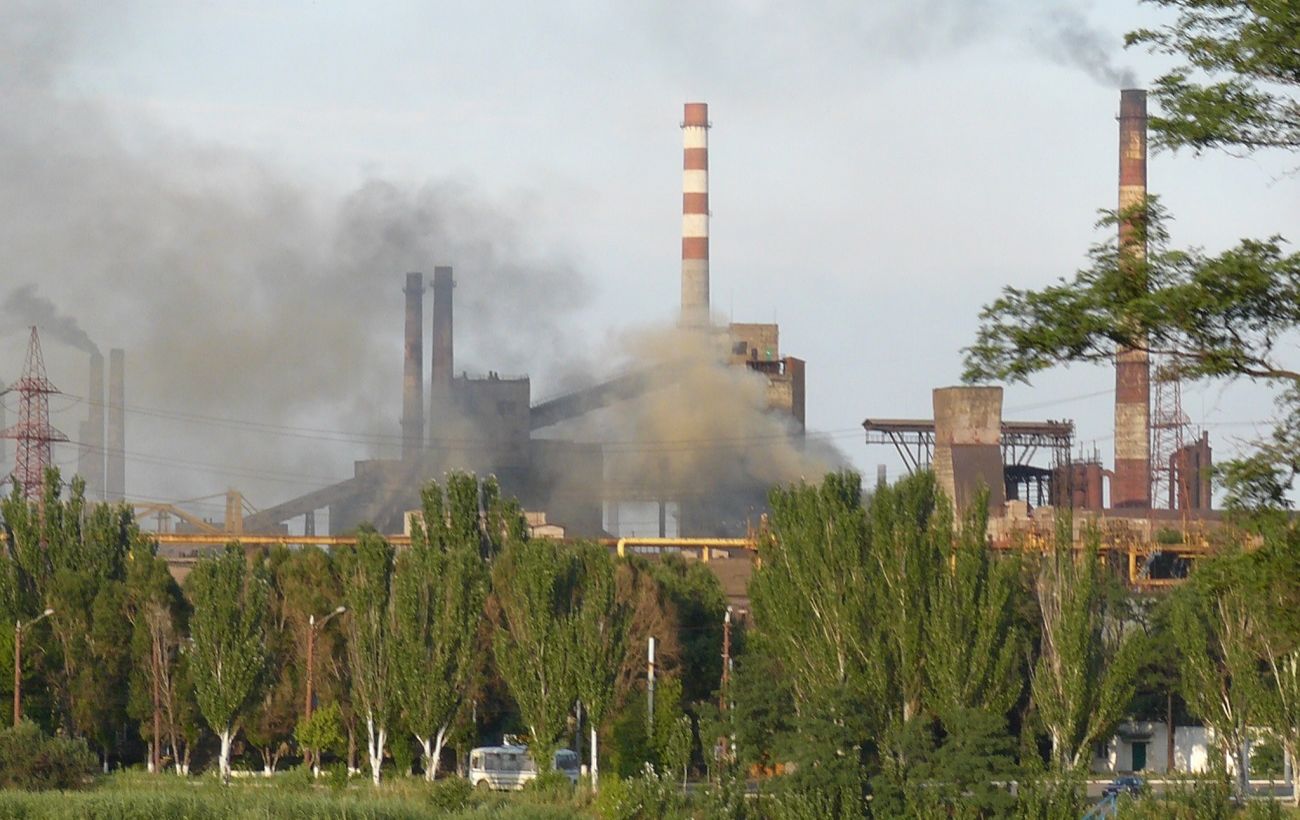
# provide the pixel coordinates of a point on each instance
(19, 627)
(312, 626)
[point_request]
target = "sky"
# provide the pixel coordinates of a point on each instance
(202, 183)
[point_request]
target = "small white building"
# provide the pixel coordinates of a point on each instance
(1143, 746)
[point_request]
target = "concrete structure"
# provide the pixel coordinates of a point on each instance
(695, 215)
(1131, 486)
(757, 346)
(1191, 467)
(115, 461)
(442, 352)
(91, 454)
(968, 444)
(413, 368)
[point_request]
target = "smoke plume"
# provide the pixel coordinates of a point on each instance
(1068, 38)
(27, 307)
(701, 435)
(261, 317)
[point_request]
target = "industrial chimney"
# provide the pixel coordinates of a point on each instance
(90, 460)
(413, 368)
(695, 216)
(115, 479)
(1131, 486)
(443, 356)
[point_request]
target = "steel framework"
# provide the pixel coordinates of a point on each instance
(33, 432)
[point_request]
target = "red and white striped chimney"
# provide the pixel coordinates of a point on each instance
(695, 215)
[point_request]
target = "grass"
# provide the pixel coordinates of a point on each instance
(131, 795)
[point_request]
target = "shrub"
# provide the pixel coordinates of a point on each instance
(32, 760)
(450, 794)
(552, 786)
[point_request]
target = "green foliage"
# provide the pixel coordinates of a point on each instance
(538, 587)
(1245, 57)
(696, 597)
(32, 760)
(439, 587)
(630, 747)
(1214, 620)
(647, 797)
(323, 731)
(450, 794)
(228, 660)
(366, 572)
(1085, 675)
(1223, 316)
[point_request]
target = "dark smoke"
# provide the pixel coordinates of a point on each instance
(1071, 40)
(24, 305)
(240, 292)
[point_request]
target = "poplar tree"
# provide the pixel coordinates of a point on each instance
(535, 583)
(1278, 602)
(366, 572)
(599, 643)
(228, 632)
(974, 643)
(1084, 677)
(439, 588)
(1215, 623)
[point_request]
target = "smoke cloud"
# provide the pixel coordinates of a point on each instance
(702, 435)
(1068, 38)
(261, 317)
(27, 307)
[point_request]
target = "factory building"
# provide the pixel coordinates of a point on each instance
(487, 424)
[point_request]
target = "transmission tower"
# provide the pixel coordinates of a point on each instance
(1169, 427)
(33, 432)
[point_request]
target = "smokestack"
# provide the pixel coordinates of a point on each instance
(444, 361)
(695, 216)
(90, 462)
(413, 368)
(1131, 486)
(115, 480)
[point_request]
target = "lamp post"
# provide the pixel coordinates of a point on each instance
(312, 626)
(19, 627)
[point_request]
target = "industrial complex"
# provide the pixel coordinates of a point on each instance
(566, 463)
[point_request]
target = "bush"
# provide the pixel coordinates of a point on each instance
(552, 786)
(450, 794)
(32, 760)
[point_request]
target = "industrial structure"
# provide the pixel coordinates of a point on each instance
(34, 435)
(489, 424)
(1029, 468)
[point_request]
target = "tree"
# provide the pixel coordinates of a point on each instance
(536, 584)
(1278, 603)
(599, 643)
(269, 727)
(322, 732)
(366, 572)
(813, 604)
(439, 588)
(974, 644)
(1248, 51)
(1215, 624)
(1084, 677)
(228, 632)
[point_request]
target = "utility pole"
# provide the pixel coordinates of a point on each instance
(156, 756)
(650, 686)
(19, 627)
(725, 690)
(312, 626)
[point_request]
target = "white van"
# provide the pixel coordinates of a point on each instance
(508, 768)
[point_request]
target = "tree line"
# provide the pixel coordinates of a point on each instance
(472, 632)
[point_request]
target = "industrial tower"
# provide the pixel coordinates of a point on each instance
(33, 432)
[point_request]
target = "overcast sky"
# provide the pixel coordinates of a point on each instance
(878, 172)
